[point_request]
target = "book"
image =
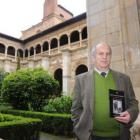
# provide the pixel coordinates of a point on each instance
(116, 102)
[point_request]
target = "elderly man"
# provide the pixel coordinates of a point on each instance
(90, 107)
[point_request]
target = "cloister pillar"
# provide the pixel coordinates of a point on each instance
(45, 62)
(68, 41)
(34, 53)
(28, 54)
(5, 52)
(7, 63)
(15, 54)
(31, 63)
(58, 44)
(49, 48)
(80, 37)
(66, 71)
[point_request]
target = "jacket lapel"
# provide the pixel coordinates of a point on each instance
(118, 80)
(89, 89)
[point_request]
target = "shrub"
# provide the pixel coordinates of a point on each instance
(5, 105)
(1, 118)
(3, 74)
(19, 128)
(52, 123)
(60, 105)
(28, 89)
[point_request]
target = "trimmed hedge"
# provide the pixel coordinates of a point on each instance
(19, 128)
(52, 123)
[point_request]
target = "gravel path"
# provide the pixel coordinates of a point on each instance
(45, 136)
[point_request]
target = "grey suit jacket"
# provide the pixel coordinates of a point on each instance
(83, 104)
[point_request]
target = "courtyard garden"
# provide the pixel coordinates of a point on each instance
(29, 104)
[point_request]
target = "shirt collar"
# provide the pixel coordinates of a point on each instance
(101, 71)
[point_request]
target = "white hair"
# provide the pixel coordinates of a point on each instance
(95, 47)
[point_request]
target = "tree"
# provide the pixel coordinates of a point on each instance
(3, 74)
(18, 61)
(28, 89)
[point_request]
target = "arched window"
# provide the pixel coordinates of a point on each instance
(63, 40)
(26, 53)
(20, 52)
(54, 43)
(74, 36)
(38, 49)
(31, 51)
(11, 51)
(58, 77)
(45, 46)
(2, 48)
(84, 33)
(81, 69)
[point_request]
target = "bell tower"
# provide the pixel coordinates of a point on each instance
(53, 14)
(50, 7)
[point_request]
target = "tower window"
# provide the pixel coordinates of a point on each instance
(61, 15)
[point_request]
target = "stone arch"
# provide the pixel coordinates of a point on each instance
(38, 48)
(75, 67)
(84, 33)
(58, 75)
(45, 46)
(81, 69)
(64, 40)
(20, 52)
(2, 48)
(26, 53)
(74, 37)
(54, 43)
(11, 51)
(31, 51)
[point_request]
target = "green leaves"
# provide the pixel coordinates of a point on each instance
(3, 74)
(28, 89)
(61, 105)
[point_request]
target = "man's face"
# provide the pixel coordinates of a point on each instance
(102, 58)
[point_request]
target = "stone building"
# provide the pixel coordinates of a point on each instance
(58, 43)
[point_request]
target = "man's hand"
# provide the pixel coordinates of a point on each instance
(124, 117)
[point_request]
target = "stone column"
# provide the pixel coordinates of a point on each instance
(41, 50)
(34, 53)
(31, 63)
(45, 62)
(5, 52)
(24, 55)
(66, 71)
(58, 45)
(80, 38)
(28, 54)
(7, 63)
(49, 48)
(68, 41)
(15, 54)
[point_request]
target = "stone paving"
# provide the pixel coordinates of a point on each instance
(45, 136)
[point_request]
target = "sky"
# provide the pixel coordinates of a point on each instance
(19, 15)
